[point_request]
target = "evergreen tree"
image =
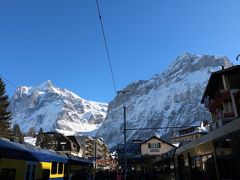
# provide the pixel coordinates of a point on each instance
(40, 138)
(5, 115)
(17, 134)
(31, 132)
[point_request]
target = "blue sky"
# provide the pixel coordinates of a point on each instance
(61, 40)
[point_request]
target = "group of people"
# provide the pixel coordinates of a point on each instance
(101, 174)
(131, 175)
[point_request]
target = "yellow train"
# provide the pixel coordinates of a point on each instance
(23, 162)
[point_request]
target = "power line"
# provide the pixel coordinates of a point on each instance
(166, 127)
(8, 81)
(106, 46)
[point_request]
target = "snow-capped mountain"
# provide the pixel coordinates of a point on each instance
(171, 98)
(53, 108)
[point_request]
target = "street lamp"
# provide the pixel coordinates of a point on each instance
(237, 57)
(124, 132)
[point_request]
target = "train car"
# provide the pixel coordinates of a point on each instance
(79, 168)
(213, 156)
(24, 162)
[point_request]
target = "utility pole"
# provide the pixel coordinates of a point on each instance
(125, 142)
(124, 133)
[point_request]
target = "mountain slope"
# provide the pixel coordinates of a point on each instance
(54, 108)
(171, 98)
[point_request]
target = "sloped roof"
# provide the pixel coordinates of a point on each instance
(212, 82)
(16, 150)
(155, 137)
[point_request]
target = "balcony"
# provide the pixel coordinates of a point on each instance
(221, 122)
(216, 103)
(225, 95)
(229, 115)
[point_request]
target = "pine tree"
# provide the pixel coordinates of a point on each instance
(17, 134)
(5, 115)
(40, 138)
(31, 132)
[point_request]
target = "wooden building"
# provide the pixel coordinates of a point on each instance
(155, 146)
(60, 143)
(190, 134)
(222, 96)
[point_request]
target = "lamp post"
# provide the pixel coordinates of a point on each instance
(124, 133)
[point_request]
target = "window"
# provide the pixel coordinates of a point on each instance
(217, 126)
(8, 174)
(27, 176)
(46, 174)
(65, 169)
(54, 168)
(154, 145)
(60, 168)
(33, 171)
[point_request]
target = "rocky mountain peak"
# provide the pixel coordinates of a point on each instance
(54, 108)
(188, 63)
(47, 85)
(170, 98)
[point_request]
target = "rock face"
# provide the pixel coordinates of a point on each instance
(171, 98)
(54, 108)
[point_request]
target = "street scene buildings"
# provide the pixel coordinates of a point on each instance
(207, 151)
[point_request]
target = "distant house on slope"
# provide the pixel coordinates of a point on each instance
(190, 134)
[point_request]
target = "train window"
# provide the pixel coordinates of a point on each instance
(27, 176)
(60, 168)
(33, 171)
(46, 174)
(65, 169)
(8, 174)
(54, 168)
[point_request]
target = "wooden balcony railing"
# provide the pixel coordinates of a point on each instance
(225, 95)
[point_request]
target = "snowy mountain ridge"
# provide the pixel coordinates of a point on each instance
(54, 108)
(171, 98)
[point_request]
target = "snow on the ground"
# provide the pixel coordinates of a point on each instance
(30, 140)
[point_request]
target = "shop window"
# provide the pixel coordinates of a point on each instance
(54, 168)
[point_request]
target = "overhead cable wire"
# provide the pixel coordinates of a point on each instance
(8, 81)
(106, 46)
(166, 127)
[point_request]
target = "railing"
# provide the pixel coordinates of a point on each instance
(225, 95)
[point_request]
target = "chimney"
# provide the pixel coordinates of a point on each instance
(222, 67)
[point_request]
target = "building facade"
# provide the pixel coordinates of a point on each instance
(155, 146)
(222, 96)
(190, 134)
(60, 143)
